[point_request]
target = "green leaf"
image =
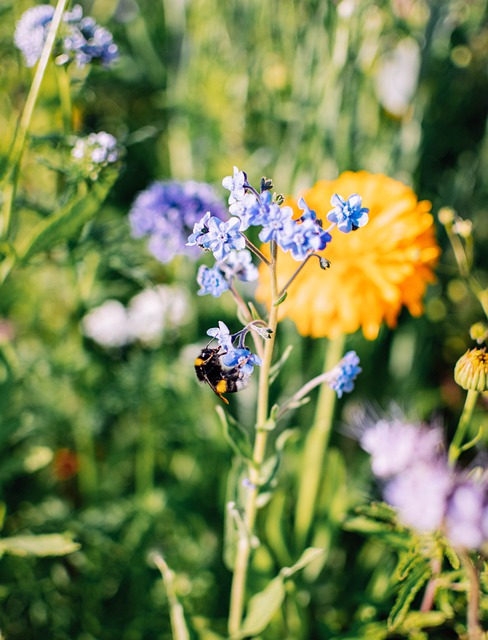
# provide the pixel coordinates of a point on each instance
(236, 435)
(378, 511)
(450, 554)
(417, 577)
(177, 615)
(272, 465)
(276, 368)
(54, 544)
(263, 606)
(280, 299)
(308, 556)
(65, 223)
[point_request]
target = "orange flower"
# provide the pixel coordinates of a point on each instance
(375, 271)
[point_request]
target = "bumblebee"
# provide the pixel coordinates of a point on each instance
(220, 378)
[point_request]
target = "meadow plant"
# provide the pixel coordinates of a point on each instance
(323, 262)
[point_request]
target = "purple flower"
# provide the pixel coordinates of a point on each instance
(222, 237)
(87, 41)
(341, 378)
(211, 281)
(348, 215)
(419, 494)
(168, 213)
(31, 31)
(395, 446)
(80, 39)
(465, 510)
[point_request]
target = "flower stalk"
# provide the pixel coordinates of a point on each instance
(315, 449)
(463, 425)
(244, 546)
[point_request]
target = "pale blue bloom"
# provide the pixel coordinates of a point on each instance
(222, 237)
(348, 215)
(236, 185)
(239, 264)
(303, 238)
(168, 212)
(242, 358)
(222, 335)
(80, 39)
(341, 378)
(212, 281)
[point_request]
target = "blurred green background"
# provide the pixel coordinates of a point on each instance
(120, 446)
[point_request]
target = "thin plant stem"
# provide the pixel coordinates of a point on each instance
(315, 449)
(252, 247)
(65, 98)
(85, 449)
(285, 288)
(474, 629)
(244, 546)
(25, 120)
(464, 422)
(145, 455)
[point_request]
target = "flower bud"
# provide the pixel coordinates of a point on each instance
(479, 332)
(446, 215)
(471, 370)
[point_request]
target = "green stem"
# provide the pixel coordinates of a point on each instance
(243, 552)
(315, 449)
(25, 120)
(145, 456)
(464, 422)
(474, 630)
(85, 449)
(65, 99)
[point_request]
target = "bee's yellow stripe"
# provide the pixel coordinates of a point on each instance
(199, 362)
(221, 386)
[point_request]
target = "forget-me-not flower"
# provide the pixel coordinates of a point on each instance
(348, 214)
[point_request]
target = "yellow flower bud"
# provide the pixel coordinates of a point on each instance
(446, 215)
(471, 370)
(479, 332)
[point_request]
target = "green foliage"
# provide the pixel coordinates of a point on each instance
(118, 447)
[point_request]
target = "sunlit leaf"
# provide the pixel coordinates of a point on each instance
(54, 544)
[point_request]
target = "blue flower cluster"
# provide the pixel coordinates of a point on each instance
(302, 237)
(80, 39)
(341, 377)
(168, 211)
(429, 494)
(216, 280)
(235, 356)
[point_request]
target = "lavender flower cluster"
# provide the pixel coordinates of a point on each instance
(166, 212)
(418, 481)
(81, 39)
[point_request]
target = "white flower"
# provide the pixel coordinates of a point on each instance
(107, 324)
(158, 311)
(397, 77)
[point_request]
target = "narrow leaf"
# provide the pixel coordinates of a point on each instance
(408, 590)
(262, 608)
(236, 435)
(54, 544)
(178, 622)
(66, 222)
